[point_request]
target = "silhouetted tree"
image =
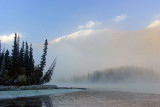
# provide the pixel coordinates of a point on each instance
(26, 57)
(26, 62)
(8, 60)
(31, 60)
(43, 57)
(15, 56)
(3, 65)
(47, 77)
(1, 60)
(19, 69)
(22, 55)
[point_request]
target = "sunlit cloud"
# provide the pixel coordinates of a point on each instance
(120, 18)
(8, 38)
(74, 35)
(156, 23)
(89, 24)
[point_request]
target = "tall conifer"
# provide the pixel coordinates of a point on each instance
(22, 55)
(15, 56)
(8, 60)
(43, 57)
(26, 58)
(31, 60)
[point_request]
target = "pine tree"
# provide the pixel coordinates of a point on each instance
(18, 46)
(21, 63)
(0, 47)
(26, 60)
(47, 77)
(31, 66)
(1, 60)
(43, 57)
(7, 60)
(26, 57)
(15, 56)
(22, 55)
(27, 64)
(31, 60)
(39, 69)
(3, 65)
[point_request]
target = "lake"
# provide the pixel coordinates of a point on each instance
(87, 98)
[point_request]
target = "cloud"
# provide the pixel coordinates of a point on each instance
(89, 24)
(74, 35)
(155, 23)
(8, 38)
(120, 18)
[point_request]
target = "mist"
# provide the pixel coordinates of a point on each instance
(85, 51)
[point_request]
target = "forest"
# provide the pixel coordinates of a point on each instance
(18, 68)
(120, 74)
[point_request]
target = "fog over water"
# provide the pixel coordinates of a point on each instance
(86, 51)
(89, 50)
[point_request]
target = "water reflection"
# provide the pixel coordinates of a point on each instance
(88, 98)
(27, 102)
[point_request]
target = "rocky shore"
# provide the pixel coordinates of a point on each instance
(31, 87)
(34, 87)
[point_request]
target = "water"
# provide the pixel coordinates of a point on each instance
(30, 93)
(87, 98)
(150, 88)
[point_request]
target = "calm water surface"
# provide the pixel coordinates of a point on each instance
(87, 98)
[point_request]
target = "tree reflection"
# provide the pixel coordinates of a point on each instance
(28, 102)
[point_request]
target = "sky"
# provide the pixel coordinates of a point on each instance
(86, 35)
(54, 18)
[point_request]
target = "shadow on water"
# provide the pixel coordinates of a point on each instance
(27, 102)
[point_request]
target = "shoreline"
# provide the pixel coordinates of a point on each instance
(35, 93)
(35, 96)
(34, 87)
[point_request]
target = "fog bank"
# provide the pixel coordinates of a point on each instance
(89, 50)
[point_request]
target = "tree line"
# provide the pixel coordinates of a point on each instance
(19, 68)
(119, 74)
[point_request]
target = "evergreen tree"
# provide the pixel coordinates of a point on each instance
(22, 55)
(26, 62)
(47, 77)
(43, 57)
(7, 60)
(39, 69)
(1, 60)
(2, 71)
(19, 67)
(37, 74)
(15, 56)
(26, 57)
(3, 65)
(0, 47)
(31, 60)
(31, 66)
(18, 46)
